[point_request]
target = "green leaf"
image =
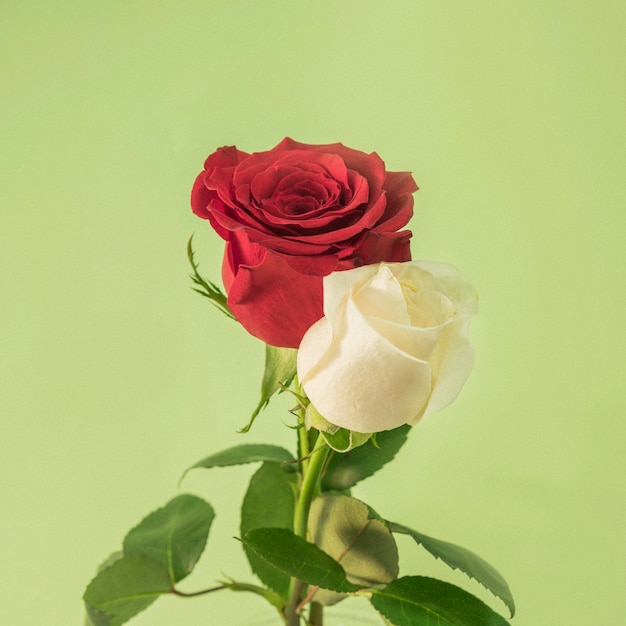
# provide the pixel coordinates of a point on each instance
(125, 588)
(345, 470)
(298, 558)
(205, 287)
(343, 528)
(112, 558)
(174, 535)
(93, 617)
(421, 601)
(269, 502)
(280, 370)
(245, 453)
(158, 552)
(464, 560)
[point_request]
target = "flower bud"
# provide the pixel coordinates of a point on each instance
(392, 345)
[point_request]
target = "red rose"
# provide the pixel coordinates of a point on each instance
(292, 215)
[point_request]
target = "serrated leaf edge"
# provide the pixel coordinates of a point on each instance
(111, 616)
(353, 588)
(199, 464)
(382, 592)
(508, 601)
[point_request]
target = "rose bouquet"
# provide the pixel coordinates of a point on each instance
(367, 342)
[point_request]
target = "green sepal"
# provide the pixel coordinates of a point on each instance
(345, 470)
(464, 560)
(280, 370)
(205, 287)
(344, 440)
(298, 558)
(422, 601)
(338, 439)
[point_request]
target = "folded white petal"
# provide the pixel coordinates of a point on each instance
(452, 363)
(363, 382)
(418, 342)
(339, 284)
(445, 278)
(382, 296)
(313, 347)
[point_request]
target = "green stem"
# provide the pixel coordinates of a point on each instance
(309, 489)
(304, 448)
(193, 594)
(310, 486)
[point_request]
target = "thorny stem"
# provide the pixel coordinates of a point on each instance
(304, 448)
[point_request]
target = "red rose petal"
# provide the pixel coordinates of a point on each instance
(274, 302)
(200, 197)
(290, 216)
(400, 186)
(378, 248)
(227, 156)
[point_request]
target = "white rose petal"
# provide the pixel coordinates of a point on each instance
(392, 346)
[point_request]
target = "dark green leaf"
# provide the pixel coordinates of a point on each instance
(464, 560)
(124, 589)
(298, 558)
(280, 369)
(345, 470)
(421, 601)
(245, 453)
(269, 502)
(343, 528)
(174, 535)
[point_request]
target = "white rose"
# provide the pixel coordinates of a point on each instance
(392, 346)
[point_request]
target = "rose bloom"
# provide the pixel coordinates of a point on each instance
(392, 346)
(292, 215)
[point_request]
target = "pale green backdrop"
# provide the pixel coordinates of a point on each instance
(115, 376)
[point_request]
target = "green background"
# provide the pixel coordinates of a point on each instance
(115, 376)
